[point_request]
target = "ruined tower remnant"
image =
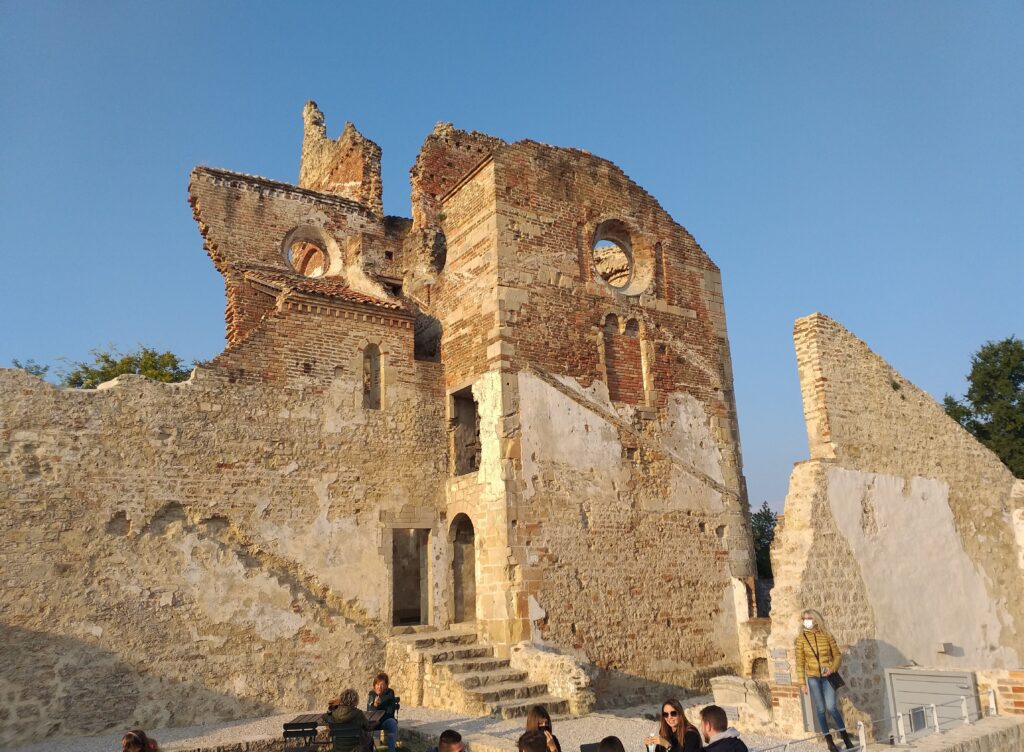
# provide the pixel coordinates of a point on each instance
(511, 415)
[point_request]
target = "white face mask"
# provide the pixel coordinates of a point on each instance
(808, 623)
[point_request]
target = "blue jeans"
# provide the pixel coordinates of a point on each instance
(823, 697)
(390, 728)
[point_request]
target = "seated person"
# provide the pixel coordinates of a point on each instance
(719, 735)
(382, 697)
(533, 741)
(539, 719)
(676, 733)
(137, 741)
(345, 714)
(450, 741)
(611, 744)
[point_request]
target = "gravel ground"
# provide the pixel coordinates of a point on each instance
(628, 724)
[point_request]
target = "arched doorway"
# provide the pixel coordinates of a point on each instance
(463, 569)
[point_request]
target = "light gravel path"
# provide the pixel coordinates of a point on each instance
(628, 724)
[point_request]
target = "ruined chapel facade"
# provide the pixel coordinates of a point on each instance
(510, 417)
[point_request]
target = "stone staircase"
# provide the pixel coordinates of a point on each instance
(453, 670)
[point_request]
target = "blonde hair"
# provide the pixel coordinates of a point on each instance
(819, 620)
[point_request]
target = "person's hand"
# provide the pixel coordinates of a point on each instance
(826, 671)
(551, 741)
(804, 689)
(376, 701)
(651, 739)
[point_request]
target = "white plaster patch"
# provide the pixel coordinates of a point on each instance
(487, 393)
(922, 585)
(688, 437)
(227, 594)
(557, 429)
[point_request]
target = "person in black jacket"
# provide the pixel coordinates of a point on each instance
(676, 733)
(382, 697)
(346, 718)
(538, 719)
(450, 741)
(718, 734)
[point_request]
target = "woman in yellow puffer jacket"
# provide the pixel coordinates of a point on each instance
(818, 656)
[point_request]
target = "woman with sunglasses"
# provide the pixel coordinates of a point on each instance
(676, 733)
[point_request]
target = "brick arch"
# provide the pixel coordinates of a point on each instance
(621, 358)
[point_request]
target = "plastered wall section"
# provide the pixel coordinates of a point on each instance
(899, 528)
(174, 554)
(628, 522)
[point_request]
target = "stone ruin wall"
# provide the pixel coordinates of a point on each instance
(898, 528)
(245, 516)
(178, 553)
(661, 465)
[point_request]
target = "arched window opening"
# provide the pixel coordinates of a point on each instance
(613, 254)
(307, 258)
(623, 363)
(462, 537)
(371, 377)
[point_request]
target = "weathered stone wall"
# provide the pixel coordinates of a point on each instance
(178, 553)
(224, 546)
(588, 485)
(898, 529)
(348, 166)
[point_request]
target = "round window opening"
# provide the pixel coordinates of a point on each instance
(614, 262)
(307, 258)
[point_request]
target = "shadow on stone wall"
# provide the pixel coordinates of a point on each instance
(863, 668)
(97, 691)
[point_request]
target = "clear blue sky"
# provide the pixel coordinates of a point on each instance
(864, 159)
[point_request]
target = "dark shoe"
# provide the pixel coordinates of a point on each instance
(830, 744)
(846, 739)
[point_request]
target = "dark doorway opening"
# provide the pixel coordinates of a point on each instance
(465, 432)
(410, 600)
(463, 569)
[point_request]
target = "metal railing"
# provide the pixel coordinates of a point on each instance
(898, 723)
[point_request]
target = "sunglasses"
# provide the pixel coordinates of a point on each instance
(670, 714)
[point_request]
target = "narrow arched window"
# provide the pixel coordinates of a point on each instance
(371, 377)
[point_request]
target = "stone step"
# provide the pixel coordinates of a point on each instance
(446, 653)
(520, 708)
(475, 679)
(507, 691)
(426, 640)
(477, 664)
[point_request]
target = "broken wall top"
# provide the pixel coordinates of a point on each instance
(860, 411)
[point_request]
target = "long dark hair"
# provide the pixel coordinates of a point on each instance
(537, 714)
(137, 741)
(684, 722)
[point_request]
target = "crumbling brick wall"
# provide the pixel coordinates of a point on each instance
(223, 547)
(897, 529)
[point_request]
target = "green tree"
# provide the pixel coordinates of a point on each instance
(36, 369)
(108, 364)
(763, 523)
(993, 408)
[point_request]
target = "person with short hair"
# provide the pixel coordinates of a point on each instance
(137, 741)
(719, 736)
(676, 733)
(345, 716)
(533, 741)
(382, 697)
(449, 741)
(610, 744)
(538, 719)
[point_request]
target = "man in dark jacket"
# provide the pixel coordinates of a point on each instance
(382, 698)
(450, 741)
(718, 735)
